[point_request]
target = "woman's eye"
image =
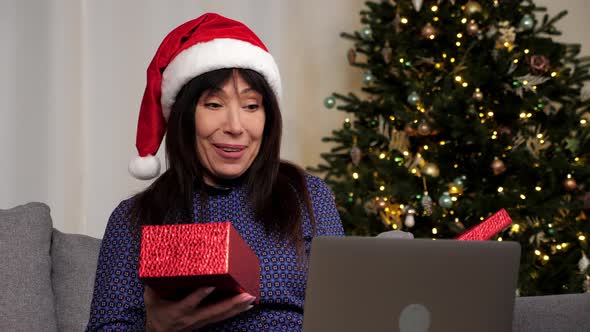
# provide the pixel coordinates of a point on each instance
(212, 105)
(252, 107)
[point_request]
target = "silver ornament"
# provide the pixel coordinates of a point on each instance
(427, 203)
(583, 263)
(417, 4)
(527, 22)
(410, 221)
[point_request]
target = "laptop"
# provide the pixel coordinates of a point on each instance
(384, 284)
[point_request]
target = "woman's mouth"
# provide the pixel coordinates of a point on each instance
(229, 151)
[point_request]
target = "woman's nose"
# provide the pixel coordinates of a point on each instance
(233, 124)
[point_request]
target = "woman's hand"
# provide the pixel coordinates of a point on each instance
(187, 314)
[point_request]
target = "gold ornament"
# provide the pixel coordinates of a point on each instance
(570, 184)
(472, 28)
(498, 166)
(477, 95)
(428, 31)
(472, 7)
(424, 128)
(390, 215)
(351, 55)
(455, 189)
(431, 169)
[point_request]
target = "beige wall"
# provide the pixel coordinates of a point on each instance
(75, 75)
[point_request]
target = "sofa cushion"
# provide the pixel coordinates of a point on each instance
(26, 303)
(74, 266)
(552, 313)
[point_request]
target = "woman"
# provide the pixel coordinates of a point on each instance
(213, 87)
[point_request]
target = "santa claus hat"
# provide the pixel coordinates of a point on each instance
(206, 43)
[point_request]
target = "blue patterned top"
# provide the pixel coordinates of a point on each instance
(117, 303)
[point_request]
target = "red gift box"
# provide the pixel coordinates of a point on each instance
(488, 228)
(177, 259)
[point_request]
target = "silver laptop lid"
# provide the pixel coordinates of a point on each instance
(381, 284)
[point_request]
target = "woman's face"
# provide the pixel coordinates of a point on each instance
(229, 123)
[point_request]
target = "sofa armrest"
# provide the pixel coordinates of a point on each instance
(74, 258)
(569, 312)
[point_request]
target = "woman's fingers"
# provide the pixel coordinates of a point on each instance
(222, 310)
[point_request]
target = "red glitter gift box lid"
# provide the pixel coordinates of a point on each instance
(488, 228)
(183, 257)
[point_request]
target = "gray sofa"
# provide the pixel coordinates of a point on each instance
(46, 281)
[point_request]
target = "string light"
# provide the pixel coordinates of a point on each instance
(545, 258)
(526, 51)
(404, 20)
(522, 196)
(355, 175)
(465, 84)
(537, 188)
(456, 166)
(458, 44)
(382, 156)
(581, 238)
(515, 60)
(406, 153)
(434, 8)
(490, 113)
(515, 228)
(443, 143)
(452, 60)
(425, 147)
(583, 122)
(463, 20)
(382, 188)
(435, 19)
(500, 239)
(401, 60)
(434, 231)
(414, 171)
(537, 252)
(444, 55)
(392, 118)
(458, 78)
(459, 35)
(553, 74)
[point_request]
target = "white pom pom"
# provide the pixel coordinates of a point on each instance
(144, 168)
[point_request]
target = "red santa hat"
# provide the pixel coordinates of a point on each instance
(206, 43)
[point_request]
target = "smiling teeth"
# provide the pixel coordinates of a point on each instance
(230, 150)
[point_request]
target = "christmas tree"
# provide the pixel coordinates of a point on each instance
(467, 108)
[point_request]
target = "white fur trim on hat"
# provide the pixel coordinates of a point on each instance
(144, 168)
(216, 54)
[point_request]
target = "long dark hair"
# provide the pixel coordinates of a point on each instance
(277, 189)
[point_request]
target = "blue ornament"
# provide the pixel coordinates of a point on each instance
(459, 182)
(413, 98)
(445, 200)
(368, 78)
(366, 32)
(527, 22)
(329, 102)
